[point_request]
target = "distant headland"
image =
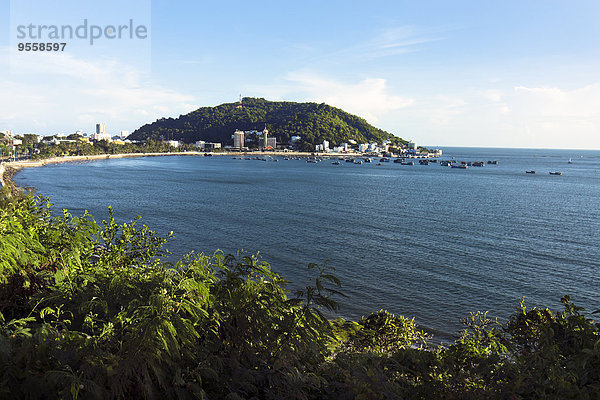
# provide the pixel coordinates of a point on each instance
(296, 126)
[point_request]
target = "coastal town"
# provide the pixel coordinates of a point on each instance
(26, 146)
(29, 150)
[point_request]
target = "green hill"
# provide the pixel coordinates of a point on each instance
(311, 121)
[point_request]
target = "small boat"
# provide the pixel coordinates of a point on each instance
(367, 160)
(494, 162)
(555, 173)
(399, 160)
(384, 160)
(530, 172)
(379, 163)
(336, 163)
(461, 166)
(478, 163)
(408, 163)
(423, 162)
(570, 161)
(358, 162)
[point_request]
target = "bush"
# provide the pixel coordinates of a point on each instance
(90, 310)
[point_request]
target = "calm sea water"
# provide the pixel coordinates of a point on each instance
(424, 241)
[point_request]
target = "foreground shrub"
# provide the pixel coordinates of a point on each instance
(90, 310)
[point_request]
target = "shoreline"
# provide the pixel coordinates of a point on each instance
(9, 169)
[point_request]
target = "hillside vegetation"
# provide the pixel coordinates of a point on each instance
(313, 122)
(90, 310)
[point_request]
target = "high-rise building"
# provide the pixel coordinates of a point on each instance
(271, 143)
(101, 133)
(265, 141)
(124, 134)
(238, 139)
(264, 137)
(100, 129)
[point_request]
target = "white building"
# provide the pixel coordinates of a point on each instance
(124, 134)
(173, 143)
(102, 136)
(212, 146)
(202, 145)
(263, 142)
(238, 139)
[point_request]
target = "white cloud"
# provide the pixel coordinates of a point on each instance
(389, 42)
(64, 93)
(492, 95)
(519, 116)
(559, 117)
(368, 98)
(553, 102)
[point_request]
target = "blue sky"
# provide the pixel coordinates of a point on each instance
(465, 73)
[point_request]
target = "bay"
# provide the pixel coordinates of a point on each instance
(426, 241)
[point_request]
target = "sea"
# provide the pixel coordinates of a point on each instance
(425, 241)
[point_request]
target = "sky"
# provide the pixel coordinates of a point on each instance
(460, 73)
